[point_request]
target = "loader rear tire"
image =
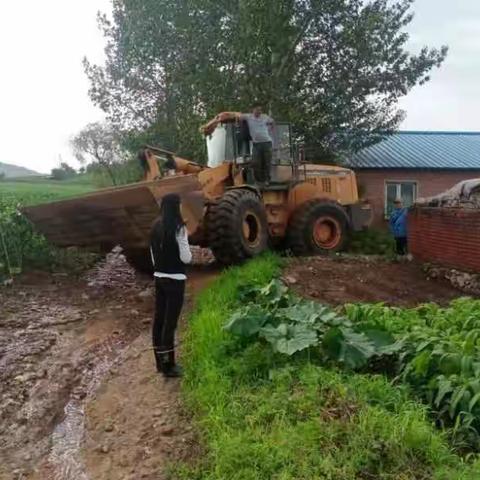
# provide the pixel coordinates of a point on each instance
(318, 227)
(237, 227)
(140, 259)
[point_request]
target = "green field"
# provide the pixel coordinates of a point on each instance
(20, 246)
(34, 191)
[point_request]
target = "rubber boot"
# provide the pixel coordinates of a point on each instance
(171, 369)
(161, 359)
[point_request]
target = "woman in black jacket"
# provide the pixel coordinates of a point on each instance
(170, 252)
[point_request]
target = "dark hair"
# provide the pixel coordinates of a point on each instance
(256, 105)
(142, 158)
(170, 221)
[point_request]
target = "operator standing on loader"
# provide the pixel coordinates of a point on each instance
(260, 127)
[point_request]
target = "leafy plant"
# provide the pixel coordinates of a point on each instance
(435, 350)
(440, 358)
(290, 325)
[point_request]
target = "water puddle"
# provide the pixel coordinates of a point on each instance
(67, 437)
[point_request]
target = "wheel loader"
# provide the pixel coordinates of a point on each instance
(307, 208)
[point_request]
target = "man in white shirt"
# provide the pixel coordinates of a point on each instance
(260, 128)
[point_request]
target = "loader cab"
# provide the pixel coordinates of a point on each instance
(231, 143)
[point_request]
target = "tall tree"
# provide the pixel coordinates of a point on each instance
(99, 143)
(334, 68)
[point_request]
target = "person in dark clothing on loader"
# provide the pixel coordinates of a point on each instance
(170, 252)
(260, 128)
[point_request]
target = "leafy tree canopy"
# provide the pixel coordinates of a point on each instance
(327, 66)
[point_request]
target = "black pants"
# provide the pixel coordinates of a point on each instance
(401, 245)
(169, 296)
(261, 160)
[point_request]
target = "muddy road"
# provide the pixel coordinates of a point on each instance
(80, 397)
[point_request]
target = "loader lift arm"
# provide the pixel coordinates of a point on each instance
(149, 158)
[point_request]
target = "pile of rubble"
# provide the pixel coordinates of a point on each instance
(467, 282)
(112, 272)
(202, 256)
(465, 194)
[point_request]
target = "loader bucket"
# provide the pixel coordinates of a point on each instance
(116, 216)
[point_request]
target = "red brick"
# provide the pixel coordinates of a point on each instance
(446, 236)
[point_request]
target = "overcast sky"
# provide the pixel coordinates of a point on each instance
(43, 90)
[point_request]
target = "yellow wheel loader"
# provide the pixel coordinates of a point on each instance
(307, 208)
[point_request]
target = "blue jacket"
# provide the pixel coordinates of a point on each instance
(398, 222)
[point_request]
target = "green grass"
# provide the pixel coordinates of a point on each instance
(39, 191)
(262, 416)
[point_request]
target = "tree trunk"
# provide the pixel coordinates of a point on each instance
(110, 174)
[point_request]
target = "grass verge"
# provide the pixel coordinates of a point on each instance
(262, 416)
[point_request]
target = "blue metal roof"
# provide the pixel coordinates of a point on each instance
(422, 150)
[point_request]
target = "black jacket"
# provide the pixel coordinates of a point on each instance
(166, 257)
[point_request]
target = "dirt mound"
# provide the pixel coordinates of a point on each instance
(338, 280)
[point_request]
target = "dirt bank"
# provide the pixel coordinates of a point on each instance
(340, 280)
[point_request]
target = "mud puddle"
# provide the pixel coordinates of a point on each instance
(67, 437)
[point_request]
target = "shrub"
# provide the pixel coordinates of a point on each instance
(372, 242)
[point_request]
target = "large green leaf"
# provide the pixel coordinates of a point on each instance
(349, 347)
(274, 294)
(444, 387)
(289, 339)
(383, 342)
(247, 322)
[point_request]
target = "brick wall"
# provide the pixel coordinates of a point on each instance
(447, 236)
(372, 184)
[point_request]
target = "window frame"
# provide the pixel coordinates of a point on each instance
(416, 189)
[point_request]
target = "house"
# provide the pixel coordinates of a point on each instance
(411, 165)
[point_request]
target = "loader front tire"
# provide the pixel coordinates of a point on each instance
(237, 227)
(318, 227)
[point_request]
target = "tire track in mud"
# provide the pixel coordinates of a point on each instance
(57, 337)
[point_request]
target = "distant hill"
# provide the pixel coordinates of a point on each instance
(12, 171)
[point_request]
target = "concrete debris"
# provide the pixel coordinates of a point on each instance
(202, 256)
(113, 272)
(467, 282)
(464, 194)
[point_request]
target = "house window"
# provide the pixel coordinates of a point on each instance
(407, 191)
